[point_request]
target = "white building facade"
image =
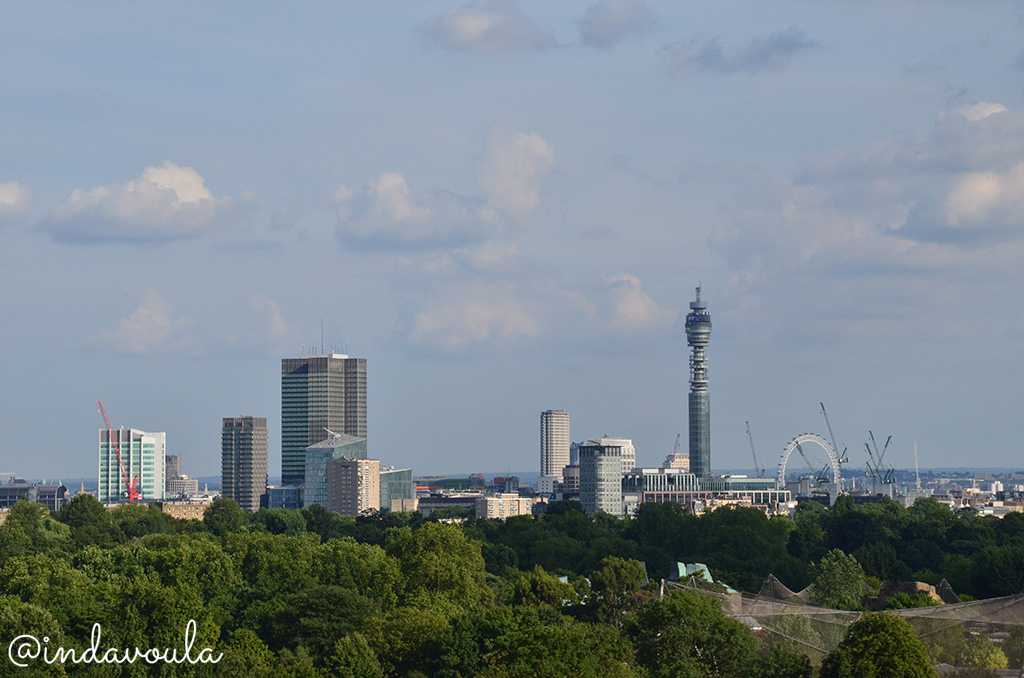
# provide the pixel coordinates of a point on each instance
(554, 442)
(142, 454)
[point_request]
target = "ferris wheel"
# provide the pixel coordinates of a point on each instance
(822, 475)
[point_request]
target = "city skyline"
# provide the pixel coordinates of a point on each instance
(512, 218)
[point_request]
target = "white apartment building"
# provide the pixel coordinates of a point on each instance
(554, 442)
(502, 506)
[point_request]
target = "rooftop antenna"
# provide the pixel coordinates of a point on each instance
(321, 336)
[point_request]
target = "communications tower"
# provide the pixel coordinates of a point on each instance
(698, 336)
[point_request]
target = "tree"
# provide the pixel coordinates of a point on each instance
(363, 567)
(280, 521)
(880, 645)
(443, 569)
(540, 589)
(224, 516)
(615, 586)
(353, 658)
(686, 635)
(246, 657)
(840, 582)
(572, 649)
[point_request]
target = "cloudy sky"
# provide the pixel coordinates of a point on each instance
(505, 207)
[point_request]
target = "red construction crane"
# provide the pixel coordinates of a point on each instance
(133, 485)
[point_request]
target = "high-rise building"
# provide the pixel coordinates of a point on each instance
(243, 460)
(353, 486)
(172, 466)
(554, 442)
(601, 464)
(314, 489)
(143, 455)
(319, 393)
(698, 336)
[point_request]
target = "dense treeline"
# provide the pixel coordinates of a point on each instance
(309, 593)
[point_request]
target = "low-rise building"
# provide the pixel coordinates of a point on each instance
(185, 510)
(502, 506)
(52, 495)
(397, 490)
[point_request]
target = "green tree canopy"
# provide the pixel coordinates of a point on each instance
(879, 645)
(840, 582)
(686, 635)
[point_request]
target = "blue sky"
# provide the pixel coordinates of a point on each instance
(505, 207)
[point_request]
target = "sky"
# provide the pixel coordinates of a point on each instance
(505, 207)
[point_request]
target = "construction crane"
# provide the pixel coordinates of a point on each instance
(757, 467)
(917, 471)
(675, 450)
(820, 477)
(842, 455)
(876, 467)
(132, 485)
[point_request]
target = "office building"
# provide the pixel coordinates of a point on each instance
(698, 336)
(243, 460)
(554, 442)
(319, 393)
(397, 490)
(172, 465)
(339, 445)
(181, 486)
(601, 464)
(353, 486)
(53, 496)
(142, 454)
(571, 479)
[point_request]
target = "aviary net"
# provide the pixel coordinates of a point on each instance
(986, 633)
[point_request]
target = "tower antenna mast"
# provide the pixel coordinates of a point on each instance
(698, 336)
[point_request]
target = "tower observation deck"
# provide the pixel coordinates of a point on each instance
(698, 336)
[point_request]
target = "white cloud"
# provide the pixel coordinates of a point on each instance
(987, 200)
(15, 202)
(386, 215)
(474, 314)
(166, 202)
(607, 22)
(484, 27)
(981, 111)
(263, 327)
(151, 328)
(626, 309)
(773, 53)
(510, 172)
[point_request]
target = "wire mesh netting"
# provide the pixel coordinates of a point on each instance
(984, 633)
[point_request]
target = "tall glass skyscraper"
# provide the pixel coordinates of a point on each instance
(698, 336)
(319, 393)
